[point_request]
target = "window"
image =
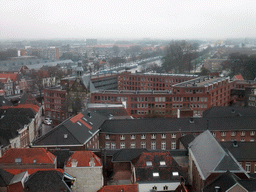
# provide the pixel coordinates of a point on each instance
(248, 167)
(122, 137)
(149, 163)
(107, 145)
(223, 134)
(233, 133)
(175, 173)
(143, 136)
(133, 145)
(122, 145)
(163, 136)
(165, 188)
(153, 145)
(113, 146)
(173, 135)
(242, 133)
(214, 134)
(242, 140)
(252, 133)
(162, 163)
(252, 140)
(153, 136)
(163, 145)
(132, 136)
(107, 137)
(143, 144)
(154, 188)
(173, 144)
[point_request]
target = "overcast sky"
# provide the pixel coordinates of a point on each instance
(163, 19)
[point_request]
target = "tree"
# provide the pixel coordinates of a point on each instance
(116, 50)
(204, 71)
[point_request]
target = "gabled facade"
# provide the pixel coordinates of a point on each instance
(86, 167)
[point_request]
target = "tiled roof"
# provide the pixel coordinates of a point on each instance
(31, 106)
(29, 99)
(145, 172)
(83, 158)
(238, 77)
(27, 155)
(78, 130)
(118, 188)
(12, 76)
(31, 171)
(50, 181)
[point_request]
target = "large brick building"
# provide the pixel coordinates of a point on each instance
(197, 94)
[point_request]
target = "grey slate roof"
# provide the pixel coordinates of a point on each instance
(229, 112)
(225, 181)
(42, 181)
(87, 82)
(209, 156)
(49, 64)
(127, 126)
(5, 178)
(126, 155)
(244, 151)
(185, 140)
(76, 129)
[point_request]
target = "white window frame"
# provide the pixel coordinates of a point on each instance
(252, 133)
(173, 145)
(143, 136)
(133, 145)
(163, 145)
(153, 145)
(122, 145)
(173, 135)
(122, 137)
(153, 136)
(133, 137)
(243, 133)
(107, 136)
(163, 136)
(248, 167)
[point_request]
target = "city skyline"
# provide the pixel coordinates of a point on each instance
(129, 19)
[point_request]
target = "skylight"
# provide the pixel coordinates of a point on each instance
(156, 174)
(149, 163)
(162, 163)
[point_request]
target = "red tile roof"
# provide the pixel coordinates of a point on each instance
(83, 159)
(79, 118)
(12, 76)
(238, 77)
(118, 188)
(31, 171)
(27, 156)
(31, 106)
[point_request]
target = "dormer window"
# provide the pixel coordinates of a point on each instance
(165, 188)
(233, 133)
(162, 163)
(149, 163)
(107, 137)
(143, 136)
(173, 135)
(252, 133)
(65, 136)
(223, 134)
(163, 136)
(242, 133)
(18, 160)
(132, 136)
(175, 173)
(153, 136)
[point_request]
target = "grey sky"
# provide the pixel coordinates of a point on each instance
(165, 19)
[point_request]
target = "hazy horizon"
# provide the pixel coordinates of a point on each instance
(133, 19)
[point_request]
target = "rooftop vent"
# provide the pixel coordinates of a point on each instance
(235, 144)
(233, 111)
(89, 114)
(217, 188)
(65, 136)
(191, 120)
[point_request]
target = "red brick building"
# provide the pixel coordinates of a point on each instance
(55, 104)
(198, 94)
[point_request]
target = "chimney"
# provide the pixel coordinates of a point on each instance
(217, 188)
(92, 162)
(74, 163)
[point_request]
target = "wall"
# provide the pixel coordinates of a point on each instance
(89, 179)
